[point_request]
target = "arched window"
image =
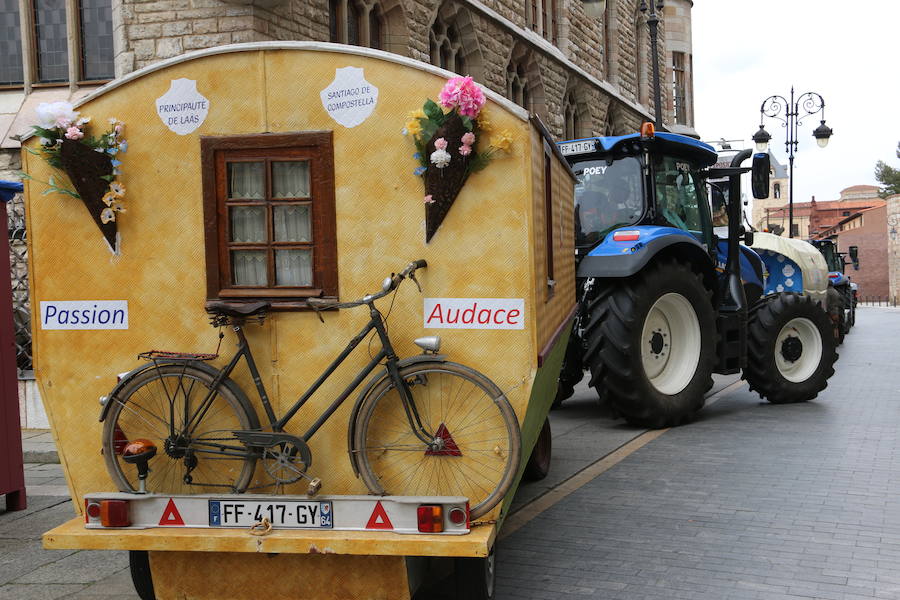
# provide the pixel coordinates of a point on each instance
(776, 190)
(452, 41)
(356, 22)
(576, 113)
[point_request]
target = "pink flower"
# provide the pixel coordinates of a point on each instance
(464, 94)
(465, 150)
(440, 144)
(73, 133)
(429, 199)
(468, 139)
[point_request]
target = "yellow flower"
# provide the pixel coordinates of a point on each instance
(502, 141)
(484, 124)
(416, 114)
(414, 127)
(109, 197)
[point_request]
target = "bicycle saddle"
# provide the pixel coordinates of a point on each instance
(236, 309)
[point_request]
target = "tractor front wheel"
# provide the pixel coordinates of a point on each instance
(651, 345)
(790, 349)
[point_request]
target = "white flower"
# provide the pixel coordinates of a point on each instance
(56, 114)
(440, 158)
(107, 215)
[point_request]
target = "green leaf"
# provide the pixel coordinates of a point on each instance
(468, 123)
(25, 176)
(428, 130)
(433, 112)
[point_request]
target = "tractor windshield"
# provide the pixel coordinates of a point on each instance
(606, 196)
(835, 264)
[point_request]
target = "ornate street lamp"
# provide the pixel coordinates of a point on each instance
(774, 107)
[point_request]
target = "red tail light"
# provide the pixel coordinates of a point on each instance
(458, 516)
(114, 513)
(627, 236)
(431, 518)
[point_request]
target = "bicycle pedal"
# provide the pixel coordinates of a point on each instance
(314, 486)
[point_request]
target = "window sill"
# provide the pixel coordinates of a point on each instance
(277, 304)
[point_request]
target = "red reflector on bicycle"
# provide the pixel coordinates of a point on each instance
(431, 518)
(444, 444)
(114, 513)
(119, 440)
(627, 236)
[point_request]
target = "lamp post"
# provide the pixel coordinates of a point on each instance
(791, 113)
(655, 8)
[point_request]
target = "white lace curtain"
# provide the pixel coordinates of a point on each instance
(291, 223)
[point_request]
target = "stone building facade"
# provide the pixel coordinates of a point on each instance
(866, 229)
(893, 245)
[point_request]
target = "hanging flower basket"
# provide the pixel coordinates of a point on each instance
(90, 163)
(447, 146)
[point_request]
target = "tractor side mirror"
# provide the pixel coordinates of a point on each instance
(748, 237)
(854, 257)
(759, 176)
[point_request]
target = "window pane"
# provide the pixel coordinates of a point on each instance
(96, 39)
(292, 224)
(52, 49)
(246, 180)
(293, 267)
(248, 223)
(352, 23)
(10, 44)
(248, 267)
(290, 179)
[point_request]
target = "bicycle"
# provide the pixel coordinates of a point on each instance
(421, 426)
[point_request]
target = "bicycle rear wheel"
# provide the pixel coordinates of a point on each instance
(154, 406)
(481, 444)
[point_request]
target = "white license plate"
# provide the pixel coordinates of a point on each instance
(280, 513)
(579, 147)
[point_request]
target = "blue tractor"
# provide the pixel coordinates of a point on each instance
(663, 301)
(840, 288)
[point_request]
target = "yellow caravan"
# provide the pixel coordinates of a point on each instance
(288, 194)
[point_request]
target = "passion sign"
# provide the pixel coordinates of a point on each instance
(84, 314)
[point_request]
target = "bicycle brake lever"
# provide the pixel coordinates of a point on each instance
(413, 277)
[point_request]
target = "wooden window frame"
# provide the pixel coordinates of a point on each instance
(315, 146)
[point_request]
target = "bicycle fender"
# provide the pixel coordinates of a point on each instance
(201, 366)
(375, 380)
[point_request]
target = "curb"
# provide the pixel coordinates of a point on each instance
(40, 456)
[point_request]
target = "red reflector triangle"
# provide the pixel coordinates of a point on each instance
(379, 518)
(450, 447)
(171, 516)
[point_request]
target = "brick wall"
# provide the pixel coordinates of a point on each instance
(872, 239)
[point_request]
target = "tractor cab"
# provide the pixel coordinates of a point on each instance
(646, 179)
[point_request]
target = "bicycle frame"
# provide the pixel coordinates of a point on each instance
(386, 353)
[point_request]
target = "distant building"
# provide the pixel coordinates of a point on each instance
(812, 219)
(867, 229)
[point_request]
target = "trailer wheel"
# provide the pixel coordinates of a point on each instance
(790, 349)
(651, 345)
(475, 577)
(538, 465)
(139, 563)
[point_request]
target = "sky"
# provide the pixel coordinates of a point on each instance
(748, 50)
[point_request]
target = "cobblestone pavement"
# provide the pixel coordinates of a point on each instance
(750, 501)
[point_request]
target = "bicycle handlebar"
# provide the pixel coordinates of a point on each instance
(395, 279)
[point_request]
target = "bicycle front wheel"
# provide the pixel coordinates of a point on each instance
(204, 457)
(477, 448)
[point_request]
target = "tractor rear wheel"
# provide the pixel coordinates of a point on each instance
(651, 344)
(790, 349)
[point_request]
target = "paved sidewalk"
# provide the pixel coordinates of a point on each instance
(751, 501)
(38, 446)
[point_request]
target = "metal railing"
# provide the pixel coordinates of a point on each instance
(879, 300)
(18, 260)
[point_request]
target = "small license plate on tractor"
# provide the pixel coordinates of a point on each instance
(579, 147)
(280, 513)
